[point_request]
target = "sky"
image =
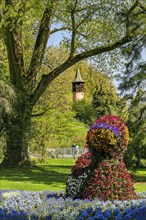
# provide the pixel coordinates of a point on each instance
(55, 39)
(58, 36)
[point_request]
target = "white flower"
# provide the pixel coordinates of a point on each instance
(60, 208)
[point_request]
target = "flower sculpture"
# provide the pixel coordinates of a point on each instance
(101, 172)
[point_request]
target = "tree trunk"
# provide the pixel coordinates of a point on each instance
(17, 136)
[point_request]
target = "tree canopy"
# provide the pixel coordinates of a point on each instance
(90, 28)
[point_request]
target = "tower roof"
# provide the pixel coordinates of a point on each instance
(78, 77)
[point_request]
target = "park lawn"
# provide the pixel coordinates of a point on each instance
(140, 187)
(139, 175)
(51, 176)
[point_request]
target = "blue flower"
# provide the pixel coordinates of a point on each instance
(99, 217)
(128, 210)
(97, 210)
(128, 217)
(133, 206)
(84, 214)
(22, 216)
(89, 209)
(12, 215)
(116, 212)
(119, 217)
(107, 213)
(34, 217)
(90, 218)
(2, 214)
(80, 218)
(141, 213)
(47, 218)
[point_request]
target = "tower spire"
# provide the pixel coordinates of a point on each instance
(78, 77)
(78, 87)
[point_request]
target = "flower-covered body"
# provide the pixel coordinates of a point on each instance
(110, 181)
(101, 172)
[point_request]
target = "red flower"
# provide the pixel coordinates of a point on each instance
(108, 179)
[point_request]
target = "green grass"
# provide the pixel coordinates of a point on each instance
(139, 174)
(140, 187)
(139, 177)
(51, 176)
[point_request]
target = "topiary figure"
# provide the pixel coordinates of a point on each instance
(101, 172)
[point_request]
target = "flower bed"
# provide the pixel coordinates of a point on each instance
(101, 172)
(22, 205)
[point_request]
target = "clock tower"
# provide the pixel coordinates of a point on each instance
(78, 87)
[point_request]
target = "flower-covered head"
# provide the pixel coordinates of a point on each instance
(108, 134)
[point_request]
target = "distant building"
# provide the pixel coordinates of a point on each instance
(78, 87)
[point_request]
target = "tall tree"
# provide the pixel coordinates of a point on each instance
(133, 88)
(92, 29)
(105, 98)
(137, 128)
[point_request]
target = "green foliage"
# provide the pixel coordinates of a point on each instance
(7, 95)
(100, 96)
(104, 100)
(3, 60)
(138, 174)
(57, 125)
(25, 31)
(56, 129)
(84, 111)
(133, 88)
(137, 127)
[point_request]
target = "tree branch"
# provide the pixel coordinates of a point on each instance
(41, 40)
(129, 13)
(73, 34)
(136, 3)
(46, 79)
(60, 29)
(13, 38)
(39, 114)
(73, 29)
(1, 12)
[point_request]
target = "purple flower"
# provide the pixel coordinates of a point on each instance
(102, 125)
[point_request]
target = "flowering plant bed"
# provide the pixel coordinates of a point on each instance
(49, 205)
(101, 172)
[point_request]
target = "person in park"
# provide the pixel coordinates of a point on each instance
(101, 172)
(75, 150)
